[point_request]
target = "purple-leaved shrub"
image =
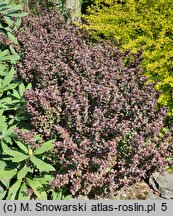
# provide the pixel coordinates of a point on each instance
(93, 100)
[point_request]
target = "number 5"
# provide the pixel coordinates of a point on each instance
(164, 207)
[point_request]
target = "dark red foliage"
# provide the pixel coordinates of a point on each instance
(93, 100)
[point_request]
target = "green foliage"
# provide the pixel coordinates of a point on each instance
(9, 106)
(85, 4)
(35, 6)
(22, 169)
(11, 90)
(10, 21)
(25, 171)
(142, 24)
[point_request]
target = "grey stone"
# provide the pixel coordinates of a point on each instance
(137, 191)
(152, 196)
(163, 184)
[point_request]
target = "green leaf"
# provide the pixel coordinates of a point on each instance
(12, 37)
(10, 130)
(4, 3)
(7, 139)
(22, 146)
(11, 58)
(38, 189)
(37, 138)
(4, 53)
(20, 157)
(6, 182)
(8, 151)
(41, 165)
(12, 50)
(5, 100)
(3, 130)
(7, 174)
(17, 24)
(22, 14)
(8, 78)
(2, 118)
(22, 193)
(12, 9)
(29, 86)
(14, 189)
(44, 179)
(22, 173)
(164, 129)
(56, 195)
(9, 21)
(17, 156)
(2, 164)
(45, 147)
(10, 86)
(11, 122)
(16, 94)
(161, 134)
(3, 67)
(2, 192)
(21, 89)
(14, 58)
(68, 197)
